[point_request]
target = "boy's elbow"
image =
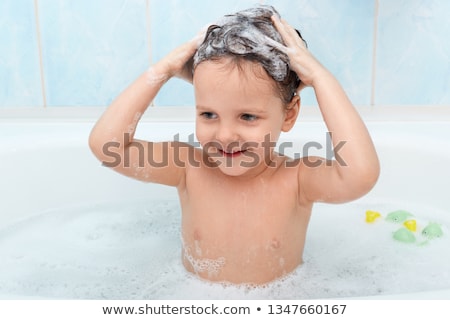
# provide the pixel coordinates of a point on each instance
(93, 141)
(370, 178)
(360, 181)
(374, 172)
(367, 178)
(95, 144)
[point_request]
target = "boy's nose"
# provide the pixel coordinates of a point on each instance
(226, 135)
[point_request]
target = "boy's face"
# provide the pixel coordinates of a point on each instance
(239, 115)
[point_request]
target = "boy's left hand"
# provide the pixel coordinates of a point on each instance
(302, 61)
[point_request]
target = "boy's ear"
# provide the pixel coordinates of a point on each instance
(291, 113)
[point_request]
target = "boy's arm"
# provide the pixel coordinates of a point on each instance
(112, 138)
(358, 168)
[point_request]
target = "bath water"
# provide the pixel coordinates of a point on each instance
(132, 250)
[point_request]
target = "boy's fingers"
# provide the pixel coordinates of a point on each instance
(276, 45)
(285, 30)
(293, 35)
(201, 34)
(278, 25)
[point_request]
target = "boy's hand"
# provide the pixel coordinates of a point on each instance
(302, 61)
(178, 63)
(334, 181)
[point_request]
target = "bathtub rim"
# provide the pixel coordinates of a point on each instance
(425, 295)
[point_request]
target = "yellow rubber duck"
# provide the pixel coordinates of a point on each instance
(371, 216)
(411, 225)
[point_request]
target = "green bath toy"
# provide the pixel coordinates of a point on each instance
(432, 230)
(409, 227)
(404, 235)
(398, 216)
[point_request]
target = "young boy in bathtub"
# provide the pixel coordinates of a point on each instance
(245, 208)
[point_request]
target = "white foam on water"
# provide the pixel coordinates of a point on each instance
(133, 251)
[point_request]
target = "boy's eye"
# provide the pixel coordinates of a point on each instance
(249, 117)
(208, 115)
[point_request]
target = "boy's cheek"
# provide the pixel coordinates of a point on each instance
(201, 135)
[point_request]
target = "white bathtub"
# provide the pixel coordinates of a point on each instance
(45, 161)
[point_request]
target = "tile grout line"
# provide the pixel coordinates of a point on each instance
(149, 33)
(374, 54)
(149, 38)
(41, 64)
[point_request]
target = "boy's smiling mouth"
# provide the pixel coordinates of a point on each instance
(231, 154)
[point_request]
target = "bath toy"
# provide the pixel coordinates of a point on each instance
(371, 216)
(411, 225)
(432, 230)
(398, 216)
(407, 233)
(404, 235)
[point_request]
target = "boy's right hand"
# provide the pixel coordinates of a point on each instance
(178, 63)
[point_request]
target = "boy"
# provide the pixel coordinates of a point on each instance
(245, 208)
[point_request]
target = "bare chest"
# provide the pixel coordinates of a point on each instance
(232, 207)
(244, 224)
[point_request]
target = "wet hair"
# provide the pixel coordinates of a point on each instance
(249, 35)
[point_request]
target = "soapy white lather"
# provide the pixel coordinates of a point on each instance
(154, 78)
(212, 266)
(247, 33)
(132, 126)
(251, 35)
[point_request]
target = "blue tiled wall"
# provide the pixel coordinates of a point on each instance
(20, 81)
(91, 49)
(413, 52)
(56, 53)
